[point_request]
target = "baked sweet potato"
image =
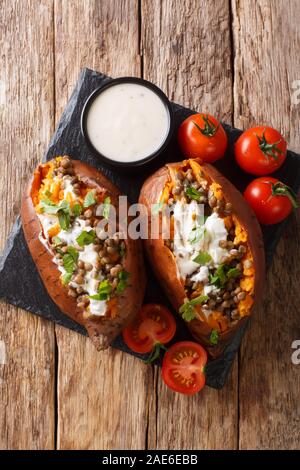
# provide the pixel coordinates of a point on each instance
(99, 282)
(211, 265)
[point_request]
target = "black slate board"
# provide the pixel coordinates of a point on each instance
(20, 283)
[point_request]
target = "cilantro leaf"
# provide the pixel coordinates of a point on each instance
(104, 291)
(192, 193)
(202, 258)
(64, 219)
(219, 278)
(214, 337)
(106, 207)
(86, 238)
(69, 263)
(56, 240)
(233, 273)
(66, 278)
(48, 206)
(62, 210)
(89, 199)
(73, 252)
(187, 310)
(76, 209)
(123, 277)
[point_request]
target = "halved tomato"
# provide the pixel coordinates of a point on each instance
(153, 327)
(183, 368)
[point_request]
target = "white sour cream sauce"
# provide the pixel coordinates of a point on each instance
(88, 255)
(127, 122)
(186, 219)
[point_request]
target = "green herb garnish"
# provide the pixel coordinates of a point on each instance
(106, 208)
(70, 258)
(89, 199)
(66, 278)
(192, 193)
(77, 210)
(56, 240)
(62, 210)
(197, 234)
(69, 263)
(123, 277)
(219, 278)
(86, 238)
(233, 273)
(155, 353)
(214, 337)
(64, 219)
(187, 310)
(104, 291)
(73, 252)
(48, 193)
(202, 258)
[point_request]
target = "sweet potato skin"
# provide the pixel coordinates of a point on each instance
(163, 262)
(102, 330)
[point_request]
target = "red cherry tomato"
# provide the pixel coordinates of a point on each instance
(271, 200)
(260, 150)
(183, 368)
(154, 325)
(202, 136)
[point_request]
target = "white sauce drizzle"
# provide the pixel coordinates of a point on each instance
(88, 255)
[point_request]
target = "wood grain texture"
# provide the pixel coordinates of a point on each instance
(102, 397)
(267, 42)
(26, 118)
(186, 51)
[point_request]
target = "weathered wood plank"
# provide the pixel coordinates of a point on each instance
(186, 51)
(267, 41)
(102, 397)
(26, 124)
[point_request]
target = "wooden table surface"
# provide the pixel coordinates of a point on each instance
(239, 60)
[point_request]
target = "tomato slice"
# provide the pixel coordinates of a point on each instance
(183, 367)
(154, 324)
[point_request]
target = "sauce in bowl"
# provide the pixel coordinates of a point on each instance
(127, 122)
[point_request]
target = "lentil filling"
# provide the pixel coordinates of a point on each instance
(213, 257)
(90, 263)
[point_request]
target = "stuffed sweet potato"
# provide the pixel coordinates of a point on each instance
(96, 280)
(211, 261)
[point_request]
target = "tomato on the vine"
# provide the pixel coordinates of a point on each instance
(271, 200)
(260, 150)
(153, 327)
(183, 368)
(202, 136)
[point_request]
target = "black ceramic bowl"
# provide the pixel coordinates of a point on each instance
(117, 81)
